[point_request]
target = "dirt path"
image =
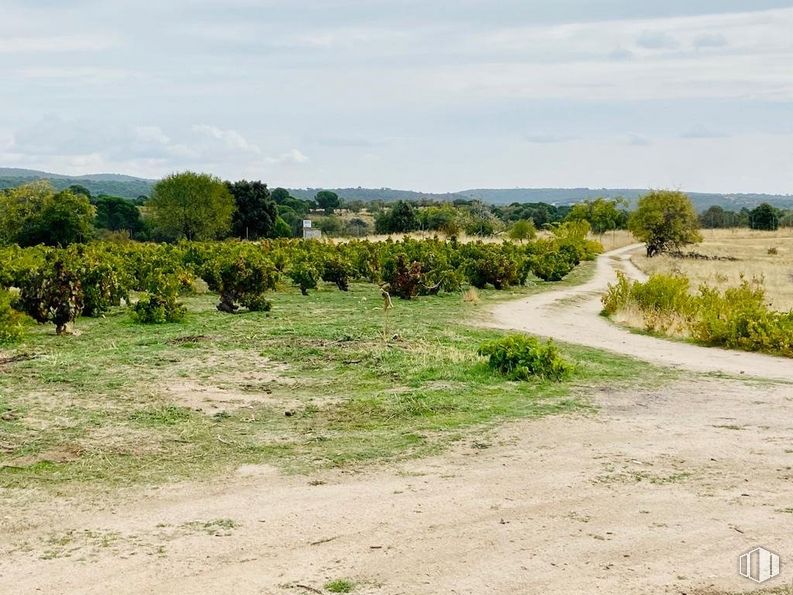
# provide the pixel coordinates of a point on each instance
(658, 492)
(572, 315)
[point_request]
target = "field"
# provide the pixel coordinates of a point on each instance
(760, 254)
(325, 380)
(330, 445)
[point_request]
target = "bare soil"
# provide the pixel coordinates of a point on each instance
(658, 492)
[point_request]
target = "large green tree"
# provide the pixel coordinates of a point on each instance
(603, 214)
(117, 214)
(398, 219)
(191, 205)
(665, 220)
(328, 201)
(34, 214)
(764, 217)
(255, 213)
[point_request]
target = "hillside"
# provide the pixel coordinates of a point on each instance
(113, 184)
(132, 187)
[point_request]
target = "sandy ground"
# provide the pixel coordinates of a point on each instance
(658, 492)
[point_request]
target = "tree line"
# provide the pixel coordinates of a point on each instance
(197, 206)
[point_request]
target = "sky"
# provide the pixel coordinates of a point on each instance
(431, 95)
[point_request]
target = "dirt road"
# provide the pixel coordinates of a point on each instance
(658, 492)
(571, 315)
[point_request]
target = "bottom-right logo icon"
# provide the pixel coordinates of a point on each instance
(758, 564)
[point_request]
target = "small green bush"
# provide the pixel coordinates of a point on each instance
(52, 292)
(340, 586)
(11, 322)
(520, 357)
(159, 304)
(305, 275)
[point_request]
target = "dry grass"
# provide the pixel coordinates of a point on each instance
(751, 248)
(615, 239)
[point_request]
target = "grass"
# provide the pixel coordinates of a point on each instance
(340, 586)
(750, 247)
(317, 383)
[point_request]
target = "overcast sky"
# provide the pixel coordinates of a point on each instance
(434, 95)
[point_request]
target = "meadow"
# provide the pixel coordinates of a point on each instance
(740, 253)
(324, 380)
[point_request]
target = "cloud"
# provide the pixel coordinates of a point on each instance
(230, 138)
(701, 131)
(637, 140)
(621, 55)
(56, 44)
(546, 139)
(710, 40)
(656, 40)
(293, 156)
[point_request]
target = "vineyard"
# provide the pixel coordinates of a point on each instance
(58, 285)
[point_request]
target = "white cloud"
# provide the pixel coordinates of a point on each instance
(293, 156)
(230, 138)
(56, 44)
(656, 40)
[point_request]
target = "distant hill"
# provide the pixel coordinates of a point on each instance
(557, 196)
(113, 184)
(132, 187)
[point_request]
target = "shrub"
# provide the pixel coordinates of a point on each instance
(550, 263)
(11, 322)
(305, 275)
(499, 270)
(520, 357)
(523, 229)
(52, 293)
(241, 275)
(617, 296)
(159, 304)
(403, 280)
(337, 270)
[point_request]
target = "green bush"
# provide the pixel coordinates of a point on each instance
(737, 318)
(305, 275)
(337, 270)
(520, 357)
(241, 274)
(52, 292)
(159, 304)
(740, 319)
(403, 280)
(11, 322)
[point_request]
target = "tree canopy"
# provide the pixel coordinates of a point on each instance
(255, 213)
(117, 214)
(191, 205)
(665, 220)
(765, 217)
(33, 214)
(328, 201)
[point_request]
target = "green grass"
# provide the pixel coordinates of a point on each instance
(340, 586)
(321, 381)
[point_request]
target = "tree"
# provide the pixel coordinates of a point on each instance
(280, 195)
(602, 214)
(116, 214)
(33, 214)
(192, 206)
(400, 218)
(664, 220)
(327, 200)
(79, 189)
(713, 218)
(522, 229)
(256, 212)
(765, 217)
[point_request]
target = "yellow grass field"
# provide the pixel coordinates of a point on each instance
(761, 254)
